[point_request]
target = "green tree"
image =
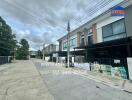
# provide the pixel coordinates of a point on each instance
(22, 50)
(7, 39)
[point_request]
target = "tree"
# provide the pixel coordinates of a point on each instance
(22, 50)
(7, 39)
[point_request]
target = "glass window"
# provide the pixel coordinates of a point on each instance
(115, 30)
(71, 42)
(119, 27)
(107, 30)
(74, 42)
(64, 45)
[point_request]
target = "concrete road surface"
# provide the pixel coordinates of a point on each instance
(21, 81)
(76, 87)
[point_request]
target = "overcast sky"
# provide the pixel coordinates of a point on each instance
(45, 21)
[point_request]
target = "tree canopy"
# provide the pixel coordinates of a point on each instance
(7, 39)
(23, 50)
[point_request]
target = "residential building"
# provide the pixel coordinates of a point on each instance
(50, 52)
(104, 39)
(33, 54)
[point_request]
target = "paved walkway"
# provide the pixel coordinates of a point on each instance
(22, 82)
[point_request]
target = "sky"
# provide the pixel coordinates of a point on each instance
(45, 21)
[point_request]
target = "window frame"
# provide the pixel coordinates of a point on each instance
(111, 24)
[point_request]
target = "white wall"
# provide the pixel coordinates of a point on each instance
(104, 22)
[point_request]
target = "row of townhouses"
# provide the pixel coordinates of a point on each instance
(102, 37)
(50, 52)
(105, 39)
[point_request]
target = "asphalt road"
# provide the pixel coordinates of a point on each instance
(76, 87)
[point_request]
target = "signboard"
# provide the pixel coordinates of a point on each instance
(129, 63)
(117, 11)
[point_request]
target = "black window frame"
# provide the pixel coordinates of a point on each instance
(111, 24)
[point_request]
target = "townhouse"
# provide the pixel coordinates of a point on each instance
(50, 52)
(33, 54)
(105, 39)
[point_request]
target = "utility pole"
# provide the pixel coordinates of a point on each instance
(68, 45)
(43, 51)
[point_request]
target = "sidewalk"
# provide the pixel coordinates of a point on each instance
(124, 85)
(22, 82)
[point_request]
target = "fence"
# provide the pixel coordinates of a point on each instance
(5, 59)
(110, 66)
(110, 61)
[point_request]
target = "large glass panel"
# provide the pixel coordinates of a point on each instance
(107, 30)
(119, 27)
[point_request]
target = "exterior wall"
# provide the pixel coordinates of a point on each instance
(128, 20)
(102, 23)
(51, 48)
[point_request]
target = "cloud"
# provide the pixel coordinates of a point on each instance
(42, 21)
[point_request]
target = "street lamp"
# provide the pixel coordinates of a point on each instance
(43, 51)
(68, 45)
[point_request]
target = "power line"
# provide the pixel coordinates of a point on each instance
(100, 4)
